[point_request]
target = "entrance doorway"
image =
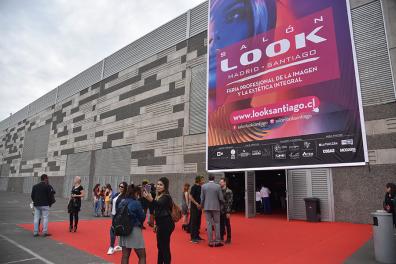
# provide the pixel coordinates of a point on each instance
(275, 181)
(236, 182)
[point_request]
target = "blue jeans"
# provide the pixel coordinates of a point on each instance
(41, 211)
(266, 205)
(112, 235)
(98, 204)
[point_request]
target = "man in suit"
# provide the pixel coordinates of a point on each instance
(211, 199)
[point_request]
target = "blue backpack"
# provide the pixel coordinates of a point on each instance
(122, 224)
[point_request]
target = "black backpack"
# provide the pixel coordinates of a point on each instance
(122, 224)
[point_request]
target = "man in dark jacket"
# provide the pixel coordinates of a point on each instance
(225, 212)
(41, 197)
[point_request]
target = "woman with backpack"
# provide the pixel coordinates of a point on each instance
(134, 240)
(116, 199)
(164, 224)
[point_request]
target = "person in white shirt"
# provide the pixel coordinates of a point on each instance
(259, 205)
(116, 200)
(265, 198)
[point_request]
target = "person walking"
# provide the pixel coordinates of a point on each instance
(265, 196)
(74, 206)
(117, 198)
(135, 239)
(390, 201)
(195, 210)
(211, 199)
(225, 213)
(185, 206)
(41, 197)
(164, 224)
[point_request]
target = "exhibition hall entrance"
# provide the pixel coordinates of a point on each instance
(236, 182)
(275, 182)
(247, 185)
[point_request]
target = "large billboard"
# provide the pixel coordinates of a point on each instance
(283, 88)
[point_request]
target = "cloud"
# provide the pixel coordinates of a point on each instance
(45, 43)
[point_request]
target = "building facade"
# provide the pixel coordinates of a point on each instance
(141, 114)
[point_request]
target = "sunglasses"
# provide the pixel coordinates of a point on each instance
(121, 186)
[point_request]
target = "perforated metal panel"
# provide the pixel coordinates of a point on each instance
(77, 165)
(5, 170)
(198, 100)
(160, 39)
(310, 183)
(83, 80)
(250, 194)
(3, 184)
(298, 190)
(372, 55)
(36, 143)
(19, 116)
(199, 19)
(113, 161)
(320, 182)
(28, 183)
(4, 124)
(42, 103)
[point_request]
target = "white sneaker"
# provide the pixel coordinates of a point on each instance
(117, 248)
(110, 251)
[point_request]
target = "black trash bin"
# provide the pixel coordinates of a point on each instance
(312, 207)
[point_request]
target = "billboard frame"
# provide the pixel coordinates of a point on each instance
(331, 165)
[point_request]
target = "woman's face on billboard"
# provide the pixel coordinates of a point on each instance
(231, 21)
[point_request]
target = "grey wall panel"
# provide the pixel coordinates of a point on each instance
(199, 19)
(198, 99)
(4, 124)
(42, 103)
(19, 116)
(160, 39)
(83, 80)
(3, 184)
(113, 161)
(5, 170)
(372, 55)
(28, 183)
(36, 143)
(77, 165)
(298, 189)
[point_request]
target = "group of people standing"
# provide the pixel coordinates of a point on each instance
(215, 200)
(102, 196)
(160, 204)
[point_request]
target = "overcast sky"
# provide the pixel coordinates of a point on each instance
(44, 43)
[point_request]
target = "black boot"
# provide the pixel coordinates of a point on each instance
(70, 228)
(75, 229)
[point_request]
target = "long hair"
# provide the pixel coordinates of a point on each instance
(186, 187)
(96, 187)
(264, 15)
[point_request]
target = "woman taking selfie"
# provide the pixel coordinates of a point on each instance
(164, 224)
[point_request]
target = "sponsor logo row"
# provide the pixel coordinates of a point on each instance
(306, 149)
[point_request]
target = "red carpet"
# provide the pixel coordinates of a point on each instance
(259, 240)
